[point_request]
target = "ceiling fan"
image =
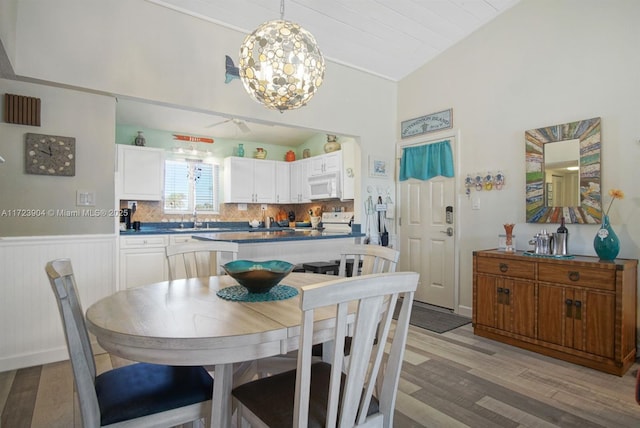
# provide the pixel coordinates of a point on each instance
(241, 124)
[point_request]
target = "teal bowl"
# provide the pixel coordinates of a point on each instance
(258, 277)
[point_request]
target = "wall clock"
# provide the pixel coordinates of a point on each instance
(50, 155)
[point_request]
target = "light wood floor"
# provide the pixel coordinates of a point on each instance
(453, 379)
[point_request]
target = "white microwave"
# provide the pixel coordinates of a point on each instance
(325, 186)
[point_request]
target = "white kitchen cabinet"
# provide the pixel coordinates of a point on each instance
(326, 164)
(249, 180)
(140, 173)
(143, 260)
(300, 191)
(283, 182)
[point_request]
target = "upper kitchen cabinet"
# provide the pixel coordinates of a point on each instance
(283, 188)
(249, 180)
(300, 190)
(326, 164)
(140, 173)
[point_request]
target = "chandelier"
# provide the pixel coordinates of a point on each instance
(280, 64)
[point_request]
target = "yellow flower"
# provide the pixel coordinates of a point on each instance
(615, 194)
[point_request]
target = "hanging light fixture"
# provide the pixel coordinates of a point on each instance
(280, 64)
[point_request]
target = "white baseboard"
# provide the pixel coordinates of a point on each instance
(465, 311)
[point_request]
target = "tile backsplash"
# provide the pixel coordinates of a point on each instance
(153, 212)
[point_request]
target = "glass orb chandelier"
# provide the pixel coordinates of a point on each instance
(281, 65)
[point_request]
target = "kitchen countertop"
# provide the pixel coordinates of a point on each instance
(273, 235)
(238, 232)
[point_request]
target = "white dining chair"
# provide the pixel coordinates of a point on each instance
(198, 259)
(317, 394)
(140, 394)
(362, 259)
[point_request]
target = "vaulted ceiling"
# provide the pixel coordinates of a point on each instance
(387, 38)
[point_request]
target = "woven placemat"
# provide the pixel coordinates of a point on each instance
(238, 293)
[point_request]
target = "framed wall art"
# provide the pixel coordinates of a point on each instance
(378, 167)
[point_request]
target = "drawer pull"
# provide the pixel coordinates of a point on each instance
(569, 304)
(578, 304)
(504, 267)
(500, 295)
(574, 275)
(506, 296)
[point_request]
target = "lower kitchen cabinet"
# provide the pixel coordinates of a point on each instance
(143, 260)
(580, 309)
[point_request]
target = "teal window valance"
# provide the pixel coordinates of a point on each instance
(427, 161)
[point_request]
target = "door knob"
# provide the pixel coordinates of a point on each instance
(448, 232)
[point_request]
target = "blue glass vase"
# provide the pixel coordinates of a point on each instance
(606, 242)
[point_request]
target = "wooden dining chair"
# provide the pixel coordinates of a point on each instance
(198, 259)
(367, 259)
(320, 394)
(140, 394)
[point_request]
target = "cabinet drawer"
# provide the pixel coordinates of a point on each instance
(180, 239)
(513, 268)
(603, 279)
(143, 241)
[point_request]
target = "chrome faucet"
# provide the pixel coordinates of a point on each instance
(196, 223)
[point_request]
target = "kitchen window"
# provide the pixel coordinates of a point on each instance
(191, 185)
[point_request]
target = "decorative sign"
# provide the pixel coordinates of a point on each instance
(193, 139)
(429, 123)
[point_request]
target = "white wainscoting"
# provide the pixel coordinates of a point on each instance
(30, 328)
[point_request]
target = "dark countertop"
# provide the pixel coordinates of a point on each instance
(273, 235)
(237, 232)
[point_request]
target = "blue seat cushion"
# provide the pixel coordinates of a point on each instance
(143, 389)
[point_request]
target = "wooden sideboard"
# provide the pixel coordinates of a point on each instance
(580, 309)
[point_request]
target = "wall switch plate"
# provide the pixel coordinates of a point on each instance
(475, 203)
(242, 207)
(263, 207)
(85, 198)
(131, 204)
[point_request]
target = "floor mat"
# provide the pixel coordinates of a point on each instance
(433, 319)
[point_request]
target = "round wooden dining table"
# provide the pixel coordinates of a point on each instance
(184, 322)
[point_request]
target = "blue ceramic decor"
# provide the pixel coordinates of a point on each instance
(606, 242)
(258, 277)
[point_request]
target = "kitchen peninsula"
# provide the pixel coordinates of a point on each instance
(143, 259)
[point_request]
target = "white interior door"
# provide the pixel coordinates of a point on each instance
(427, 242)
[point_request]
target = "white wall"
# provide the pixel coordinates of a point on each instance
(541, 63)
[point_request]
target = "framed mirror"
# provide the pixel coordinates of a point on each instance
(563, 173)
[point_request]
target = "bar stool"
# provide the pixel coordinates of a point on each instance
(322, 267)
(349, 266)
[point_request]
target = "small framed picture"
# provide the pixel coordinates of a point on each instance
(378, 167)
